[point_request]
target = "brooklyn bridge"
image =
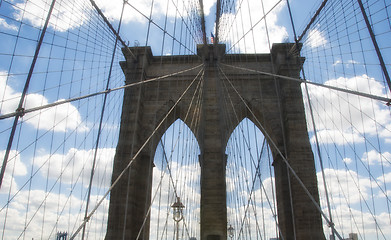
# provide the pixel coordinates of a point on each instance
(197, 119)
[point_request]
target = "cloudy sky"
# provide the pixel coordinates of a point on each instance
(44, 189)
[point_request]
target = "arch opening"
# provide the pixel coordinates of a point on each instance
(251, 204)
(176, 173)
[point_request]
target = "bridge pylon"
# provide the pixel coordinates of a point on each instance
(275, 105)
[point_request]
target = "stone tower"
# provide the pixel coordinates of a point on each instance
(274, 105)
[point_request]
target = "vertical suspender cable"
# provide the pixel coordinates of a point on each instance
(20, 109)
(101, 121)
(313, 122)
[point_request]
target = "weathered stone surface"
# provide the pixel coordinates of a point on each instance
(276, 107)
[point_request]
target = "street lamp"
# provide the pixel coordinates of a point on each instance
(231, 231)
(177, 214)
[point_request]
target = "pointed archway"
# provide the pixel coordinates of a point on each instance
(251, 203)
(176, 173)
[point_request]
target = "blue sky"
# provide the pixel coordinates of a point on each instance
(74, 60)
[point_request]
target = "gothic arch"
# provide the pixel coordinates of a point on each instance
(178, 113)
(175, 173)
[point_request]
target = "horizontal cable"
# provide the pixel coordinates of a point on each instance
(24, 111)
(379, 98)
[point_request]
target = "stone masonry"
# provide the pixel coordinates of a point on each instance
(276, 107)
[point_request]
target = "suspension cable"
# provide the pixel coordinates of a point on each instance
(112, 28)
(371, 96)
(4, 116)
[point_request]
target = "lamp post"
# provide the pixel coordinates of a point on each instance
(230, 231)
(177, 214)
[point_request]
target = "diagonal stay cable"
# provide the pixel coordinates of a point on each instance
(112, 28)
(272, 143)
(379, 98)
(158, 26)
(4, 116)
(133, 158)
(311, 21)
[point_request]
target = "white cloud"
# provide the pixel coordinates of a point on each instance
(337, 62)
(316, 38)
(352, 62)
(342, 117)
(48, 213)
(247, 223)
(208, 5)
(266, 192)
(344, 185)
(60, 118)
(5, 25)
(9, 98)
(186, 178)
(375, 158)
(346, 191)
(349, 220)
(243, 22)
(347, 160)
(67, 14)
(347, 63)
(337, 136)
(77, 163)
(70, 14)
(15, 167)
(340, 182)
(112, 9)
(387, 179)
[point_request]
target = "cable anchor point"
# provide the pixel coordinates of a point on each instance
(330, 224)
(20, 112)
